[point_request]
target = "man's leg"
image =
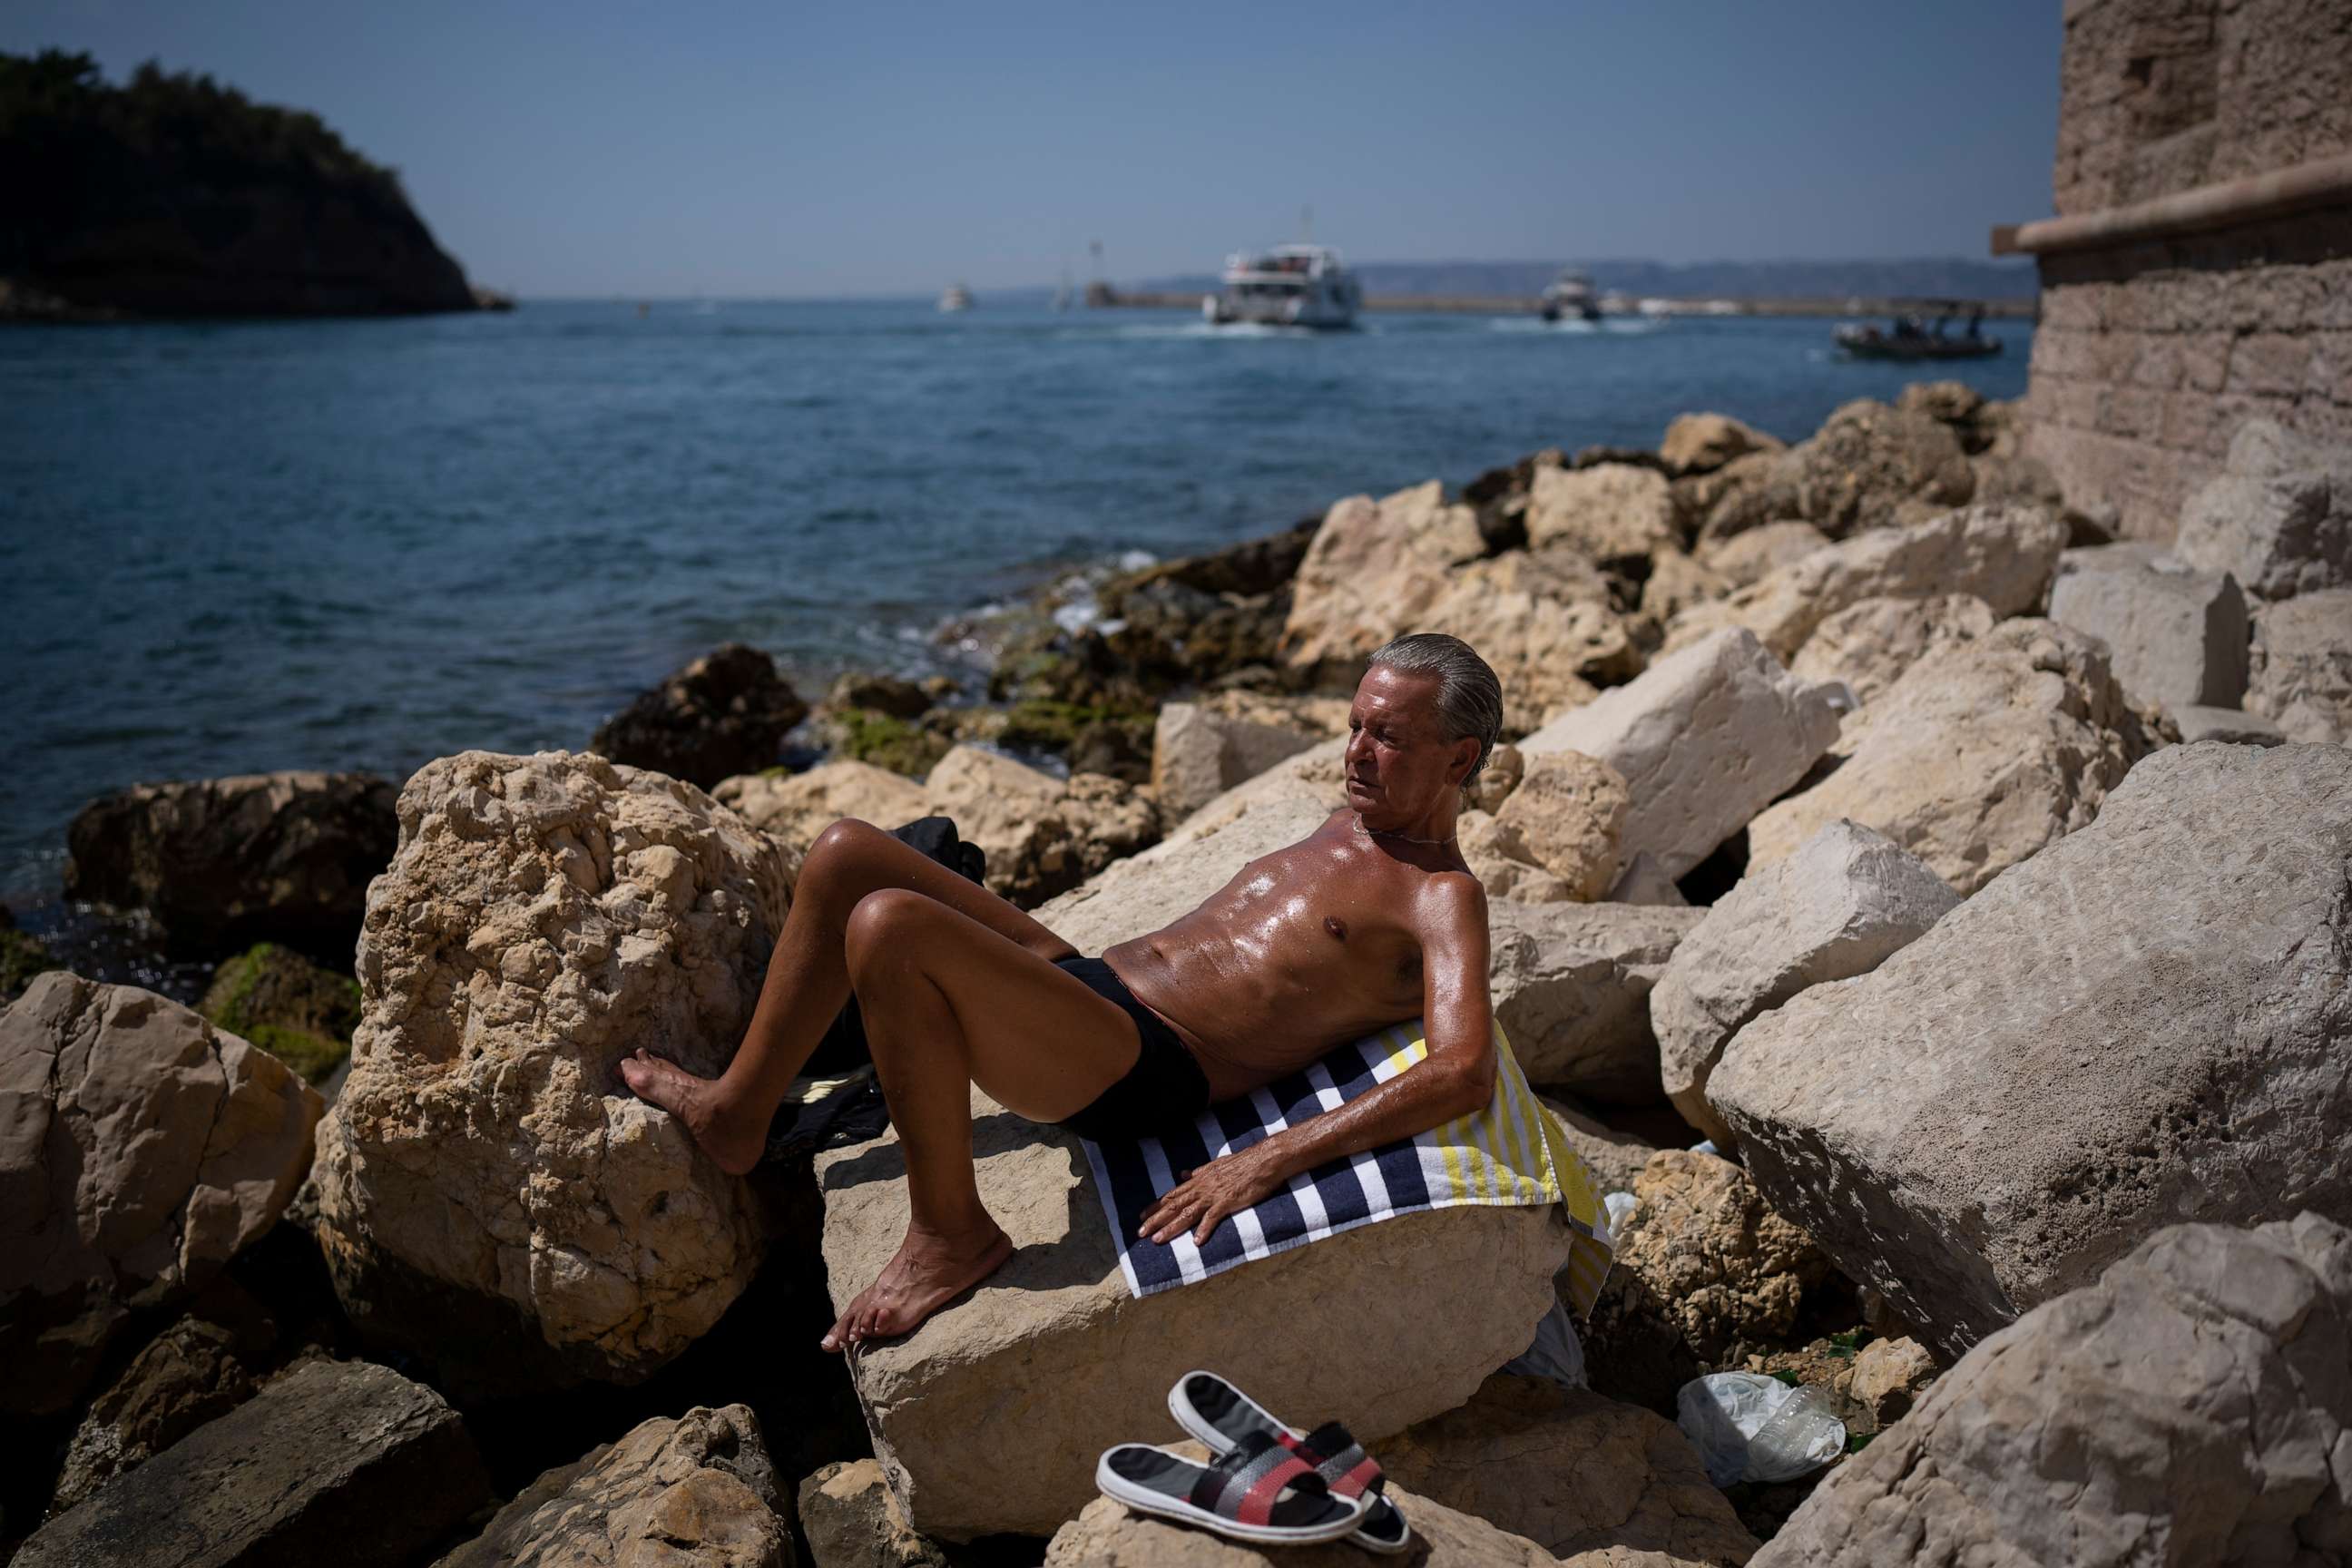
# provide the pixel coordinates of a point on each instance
(808, 981)
(950, 1002)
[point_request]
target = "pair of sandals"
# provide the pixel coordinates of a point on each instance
(1271, 1482)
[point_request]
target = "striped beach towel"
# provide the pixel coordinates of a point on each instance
(1511, 1154)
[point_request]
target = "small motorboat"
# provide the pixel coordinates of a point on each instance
(957, 297)
(1910, 338)
(1289, 286)
(1569, 297)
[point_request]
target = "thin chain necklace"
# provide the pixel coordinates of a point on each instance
(1391, 833)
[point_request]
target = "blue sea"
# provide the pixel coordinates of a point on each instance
(241, 547)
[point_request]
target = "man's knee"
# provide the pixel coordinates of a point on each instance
(841, 848)
(884, 922)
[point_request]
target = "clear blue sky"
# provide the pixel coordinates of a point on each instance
(738, 148)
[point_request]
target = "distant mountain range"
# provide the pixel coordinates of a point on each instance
(1926, 278)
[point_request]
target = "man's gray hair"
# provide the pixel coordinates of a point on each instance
(1469, 697)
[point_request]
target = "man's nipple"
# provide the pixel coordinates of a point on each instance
(1336, 926)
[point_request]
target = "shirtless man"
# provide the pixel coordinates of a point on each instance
(1370, 919)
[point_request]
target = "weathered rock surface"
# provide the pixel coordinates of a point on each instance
(1564, 818)
(699, 1489)
(2278, 517)
(336, 1462)
(2196, 1394)
(1702, 443)
(273, 997)
(1570, 984)
(2301, 672)
(1197, 754)
(2144, 1021)
(2228, 725)
(1615, 1157)
(1144, 892)
(492, 1198)
(1869, 646)
(221, 864)
(1888, 1378)
(1870, 466)
(1545, 623)
(1316, 776)
(193, 1371)
(1571, 1471)
(1372, 570)
(1499, 865)
(796, 807)
(2002, 554)
(141, 1148)
(725, 713)
(1703, 740)
(900, 698)
(852, 1520)
(1042, 836)
(1728, 1271)
(1107, 1533)
(2173, 637)
(1608, 512)
(990, 1415)
(1979, 756)
(1835, 908)
(1747, 556)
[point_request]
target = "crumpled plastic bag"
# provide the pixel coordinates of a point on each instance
(1750, 1428)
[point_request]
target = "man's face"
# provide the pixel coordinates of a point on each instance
(1400, 763)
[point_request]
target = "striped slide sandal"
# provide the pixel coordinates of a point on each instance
(1259, 1491)
(1223, 1417)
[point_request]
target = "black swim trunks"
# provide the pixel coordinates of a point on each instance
(1164, 1085)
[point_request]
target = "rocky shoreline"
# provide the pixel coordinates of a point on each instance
(1977, 886)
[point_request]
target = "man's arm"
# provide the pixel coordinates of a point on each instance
(1457, 1078)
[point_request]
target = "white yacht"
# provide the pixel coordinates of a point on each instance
(1571, 296)
(1289, 286)
(957, 297)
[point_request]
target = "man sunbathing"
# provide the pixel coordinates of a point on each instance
(1370, 919)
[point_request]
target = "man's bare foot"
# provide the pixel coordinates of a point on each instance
(929, 1271)
(730, 1138)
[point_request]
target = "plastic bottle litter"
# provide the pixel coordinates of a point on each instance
(1750, 1428)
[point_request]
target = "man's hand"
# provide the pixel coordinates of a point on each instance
(1214, 1192)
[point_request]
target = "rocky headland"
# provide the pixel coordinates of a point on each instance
(1978, 889)
(171, 195)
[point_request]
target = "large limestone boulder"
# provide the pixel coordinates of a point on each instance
(851, 1520)
(1571, 1471)
(492, 1198)
(2175, 636)
(1570, 984)
(1981, 754)
(1609, 511)
(1747, 556)
(1835, 908)
(1869, 646)
(1197, 754)
(1703, 740)
(1563, 819)
(1726, 1269)
(140, 1149)
(220, 864)
(1702, 443)
(1746, 493)
(699, 1489)
(796, 807)
(2002, 554)
(2192, 1406)
(336, 1462)
(989, 1417)
(1870, 466)
(1107, 1533)
(1544, 622)
(1372, 570)
(205, 1365)
(1315, 777)
(727, 712)
(1041, 835)
(2301, 666)
(2145, 1021)
(2278, 517)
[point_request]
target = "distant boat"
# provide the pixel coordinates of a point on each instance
(957, 297)
(1289, 286)
(1570, 295)
(1909, 340)
(1064, 295)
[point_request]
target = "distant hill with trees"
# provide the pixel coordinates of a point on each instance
(173, 195)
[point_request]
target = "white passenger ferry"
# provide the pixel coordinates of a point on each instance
(1289, 286)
